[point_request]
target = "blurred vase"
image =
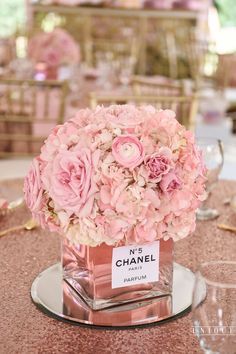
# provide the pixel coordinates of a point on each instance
(159, 4)
(105, 70)
(160, 307)
(52, 72)
(106, 276)
(130, 3)
(40, 72)
(213, 107)
(126, 70)
(194, 5)
(65, 72)
(74, 75)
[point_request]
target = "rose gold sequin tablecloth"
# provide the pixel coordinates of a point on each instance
(24, 254)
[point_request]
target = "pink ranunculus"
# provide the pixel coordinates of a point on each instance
(128, 151)
(170, 182)
(158, 164)
(69, 180)
(33, 190)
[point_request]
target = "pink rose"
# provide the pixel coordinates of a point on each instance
(158, 164)
(33, 189)
(128, 151)
(69, 180)
(170, 182)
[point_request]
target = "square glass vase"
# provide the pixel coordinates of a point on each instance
(90, 272)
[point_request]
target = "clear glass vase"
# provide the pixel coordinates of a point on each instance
(106, 276)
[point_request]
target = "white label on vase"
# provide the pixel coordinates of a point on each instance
(133, 265)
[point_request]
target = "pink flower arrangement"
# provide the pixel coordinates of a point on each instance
(76, 2)
(194, 5)
(54, 48)
(117, 174)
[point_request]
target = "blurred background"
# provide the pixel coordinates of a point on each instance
(57, 56)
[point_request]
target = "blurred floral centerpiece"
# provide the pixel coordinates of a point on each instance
(53, 49)
(77, 2)
(115, 181)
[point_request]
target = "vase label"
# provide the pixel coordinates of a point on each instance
(133, 265)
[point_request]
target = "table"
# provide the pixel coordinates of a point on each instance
(26, 330)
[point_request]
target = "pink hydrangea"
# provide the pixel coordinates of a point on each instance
(100, 178)
(69, 181)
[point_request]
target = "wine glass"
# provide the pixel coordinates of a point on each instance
(75, 79)
(126, 70)
(214, 307)
(212, 150)
(105, 69)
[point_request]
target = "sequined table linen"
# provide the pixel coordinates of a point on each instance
(24, 254)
